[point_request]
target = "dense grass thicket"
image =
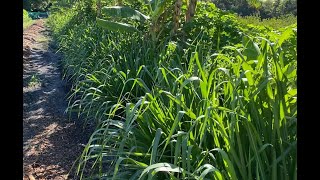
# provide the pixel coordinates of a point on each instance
(216, 101)
(27, 21)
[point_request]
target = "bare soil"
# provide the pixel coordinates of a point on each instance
(51, 141)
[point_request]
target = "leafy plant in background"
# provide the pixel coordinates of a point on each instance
(36, 5)
(155, 10)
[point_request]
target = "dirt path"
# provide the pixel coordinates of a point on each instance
(51, 142)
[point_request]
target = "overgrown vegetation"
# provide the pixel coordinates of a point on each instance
(27, 21)
(276, 23)
(264, 9)
(213, 99)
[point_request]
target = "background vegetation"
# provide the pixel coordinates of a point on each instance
(36, 5)
(265, 9)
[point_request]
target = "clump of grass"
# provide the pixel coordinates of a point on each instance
(27, 21)
(34, 80)
(227, 116)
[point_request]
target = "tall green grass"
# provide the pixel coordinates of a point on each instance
(177, 111)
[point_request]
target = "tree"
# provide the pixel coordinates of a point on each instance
(156, 10)
(191, 10)
(276, 7)
(176, 16)
(36, 5)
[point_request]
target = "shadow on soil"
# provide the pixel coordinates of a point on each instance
(52, 142)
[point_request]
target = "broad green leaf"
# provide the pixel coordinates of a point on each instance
(252, 50)
(124, 12)
(116, 26)
(166, 166)
(159, 8)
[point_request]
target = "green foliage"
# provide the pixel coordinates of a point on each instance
(116, 26)
(27, 21)
(124, 12)
(219, 104)
(265, 8)
(120, 13)
(155, 9)
(36, 5)
(214, 27)
(276, 23)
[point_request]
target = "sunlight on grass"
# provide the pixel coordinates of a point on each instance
(217, 100)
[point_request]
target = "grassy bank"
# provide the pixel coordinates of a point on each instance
(218, 102)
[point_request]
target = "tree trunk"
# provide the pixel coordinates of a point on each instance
(191, 10)
(176, 16)
(98, 8)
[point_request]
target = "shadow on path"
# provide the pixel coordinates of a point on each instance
(51, 142)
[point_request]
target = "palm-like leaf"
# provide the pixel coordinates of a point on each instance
(159, 8)
(254, 3)
(124, 12)
(120, 12)
(116, 26)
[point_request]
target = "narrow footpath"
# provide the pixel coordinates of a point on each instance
(51, 141)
